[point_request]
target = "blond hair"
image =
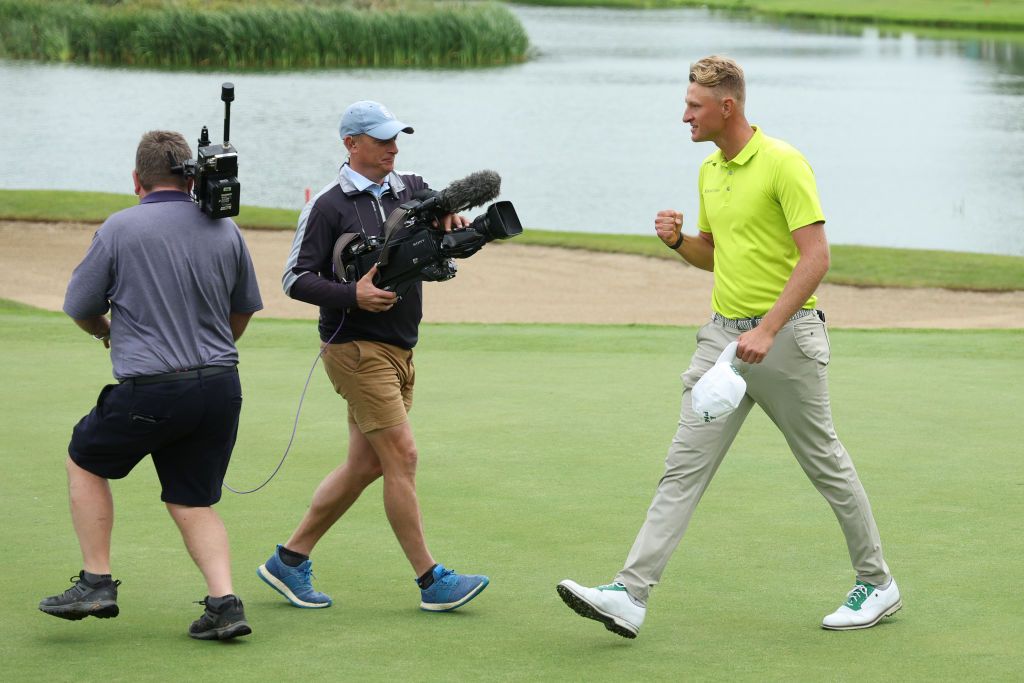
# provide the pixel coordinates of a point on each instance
(720, 74)
(152, 163)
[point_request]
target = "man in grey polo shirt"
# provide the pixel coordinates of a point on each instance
(180, 288)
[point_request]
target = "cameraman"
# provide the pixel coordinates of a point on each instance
(181, 289)
(368, 336)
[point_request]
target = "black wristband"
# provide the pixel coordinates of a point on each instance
(679, 243)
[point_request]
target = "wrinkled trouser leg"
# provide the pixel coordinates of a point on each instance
(693, 458)
(791, 386)
(793, 391)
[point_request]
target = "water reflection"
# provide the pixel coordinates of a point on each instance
(1005, 49)
(903, 132)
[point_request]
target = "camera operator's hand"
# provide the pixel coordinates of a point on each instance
(370, 298)
(452, 221)
(668, 224)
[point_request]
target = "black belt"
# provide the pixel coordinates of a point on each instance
(194, 373)
(744, 324)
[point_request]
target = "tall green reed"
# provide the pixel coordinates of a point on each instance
(269, 35)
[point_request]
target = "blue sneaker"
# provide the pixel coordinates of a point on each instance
(450, 590)
(293, 583)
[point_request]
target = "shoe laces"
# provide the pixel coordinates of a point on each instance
(306, 573)
(614, 586)
(857, 595)
(80, 586)
(447, 576)
(207, 605)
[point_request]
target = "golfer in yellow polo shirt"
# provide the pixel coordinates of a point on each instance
(762, 232)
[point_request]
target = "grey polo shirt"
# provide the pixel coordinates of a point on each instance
(170, 276)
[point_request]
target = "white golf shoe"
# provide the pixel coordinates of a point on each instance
(865, 606)
(610, 604)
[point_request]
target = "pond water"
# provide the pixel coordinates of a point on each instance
(915, 142)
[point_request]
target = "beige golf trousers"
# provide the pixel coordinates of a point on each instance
(791, 386)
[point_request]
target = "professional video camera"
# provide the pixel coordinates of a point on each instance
(215, 168)
(411, 250)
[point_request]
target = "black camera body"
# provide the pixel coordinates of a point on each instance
(413, 250)
(216, 189)
(215, 169)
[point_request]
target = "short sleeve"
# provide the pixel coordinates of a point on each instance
(245, 297)
(88, 293)
(702, 217)
(797, 192)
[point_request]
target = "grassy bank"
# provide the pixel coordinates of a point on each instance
(94, 207)
(851, 265)
(979, 14)
(269, 34)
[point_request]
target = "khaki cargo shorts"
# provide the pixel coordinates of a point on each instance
(376, 379)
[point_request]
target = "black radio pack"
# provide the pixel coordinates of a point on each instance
(215, 168)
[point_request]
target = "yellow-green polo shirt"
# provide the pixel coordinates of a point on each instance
(750, 205)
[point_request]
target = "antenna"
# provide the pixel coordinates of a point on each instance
(227, 94)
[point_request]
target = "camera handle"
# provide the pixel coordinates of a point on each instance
(396, 219)
(338, 253)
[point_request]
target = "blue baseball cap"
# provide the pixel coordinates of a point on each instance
(373, 119)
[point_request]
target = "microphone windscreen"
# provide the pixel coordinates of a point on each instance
(473, 190)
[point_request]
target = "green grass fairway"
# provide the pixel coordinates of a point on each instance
(540, 447)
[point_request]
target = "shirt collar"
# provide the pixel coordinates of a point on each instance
(364, 184)
(749, 149)
(165, 196)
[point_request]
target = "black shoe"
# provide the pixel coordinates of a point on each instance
(83, 599)
(222, 620)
